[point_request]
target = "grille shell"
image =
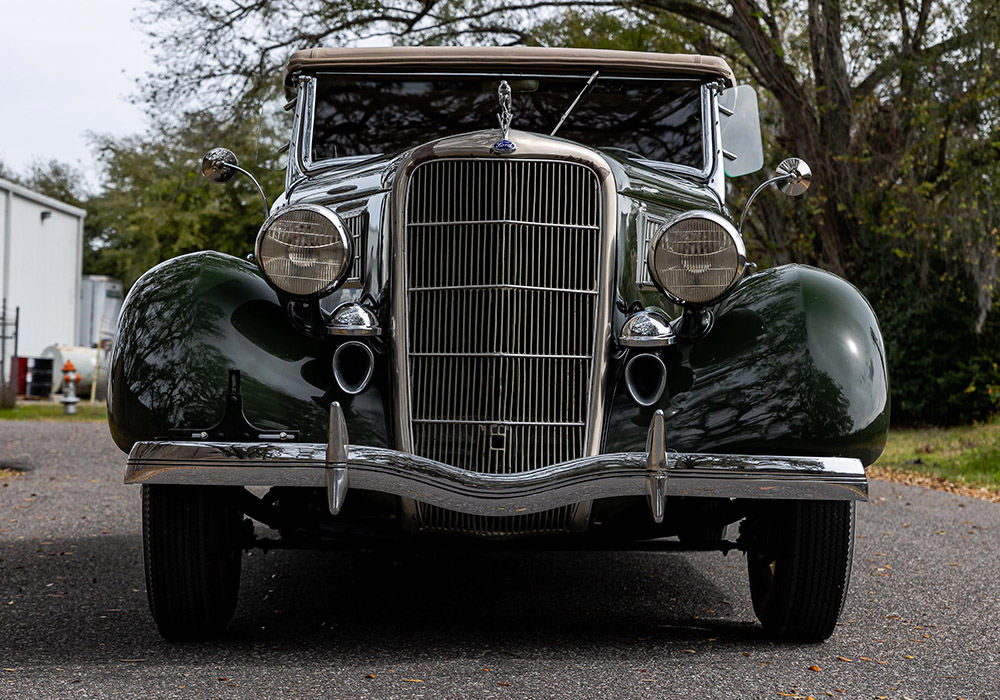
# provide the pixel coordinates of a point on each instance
(502, 272)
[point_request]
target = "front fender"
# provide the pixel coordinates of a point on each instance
(794, 365)
(189, 320)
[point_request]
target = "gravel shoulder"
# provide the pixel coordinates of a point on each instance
(920, 621)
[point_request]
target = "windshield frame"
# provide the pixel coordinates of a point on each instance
(301, 143)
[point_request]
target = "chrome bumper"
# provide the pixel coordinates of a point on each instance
(338, 466)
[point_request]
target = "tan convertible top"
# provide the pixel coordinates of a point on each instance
(504, 58)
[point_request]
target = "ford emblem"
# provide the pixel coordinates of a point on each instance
(504, 147)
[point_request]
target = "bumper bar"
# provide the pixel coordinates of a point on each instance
(337, 466)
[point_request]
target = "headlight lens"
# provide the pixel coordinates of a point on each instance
(304, 250)
(696, 258)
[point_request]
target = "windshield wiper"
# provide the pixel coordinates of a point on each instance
(570, 108)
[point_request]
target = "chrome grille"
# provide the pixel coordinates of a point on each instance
(501, 264)
(357, 226)
(646, 225)
(435, 519)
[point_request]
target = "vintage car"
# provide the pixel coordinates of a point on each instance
(502, 302)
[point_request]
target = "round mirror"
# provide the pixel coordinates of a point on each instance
(797, 176)
(215, 165)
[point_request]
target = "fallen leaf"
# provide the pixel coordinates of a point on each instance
(502, 683)
(413, 680)
(864, 658)
(370, 675)
(132, 661)
(844, 658)
(815, 668)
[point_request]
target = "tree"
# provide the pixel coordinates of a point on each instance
(833, 73)
(155, 204)
(56, 179)
(895, 106)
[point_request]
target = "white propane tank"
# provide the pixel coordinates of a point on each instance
(83, 359)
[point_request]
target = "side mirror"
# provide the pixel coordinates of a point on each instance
(221, 165)
(796, 174)
(792, 177)
(739, 122)
(217, 165)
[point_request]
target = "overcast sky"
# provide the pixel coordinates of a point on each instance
(67, 67)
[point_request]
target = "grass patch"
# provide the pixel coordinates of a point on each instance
(967, 455)
(7, 473)
(43, 410)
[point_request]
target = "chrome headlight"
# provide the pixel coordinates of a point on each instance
(696, 258)
(304, 250)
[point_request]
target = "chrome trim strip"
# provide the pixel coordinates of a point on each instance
(717, 173)
(538, 224)
(412, 477)
(492, 287)
(499, 354)
(460, 421)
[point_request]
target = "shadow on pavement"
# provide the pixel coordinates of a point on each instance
(83, 601)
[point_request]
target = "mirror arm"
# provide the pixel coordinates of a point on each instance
(746, 207)
(267, 207)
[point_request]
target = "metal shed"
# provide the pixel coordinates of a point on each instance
(41, 257)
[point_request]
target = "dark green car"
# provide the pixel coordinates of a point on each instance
(502, 303)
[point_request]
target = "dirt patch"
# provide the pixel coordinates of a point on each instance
(901, 476)
(7, 473)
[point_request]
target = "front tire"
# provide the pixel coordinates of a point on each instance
(192, 551)
(799, 566)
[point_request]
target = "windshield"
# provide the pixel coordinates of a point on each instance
(658, 120)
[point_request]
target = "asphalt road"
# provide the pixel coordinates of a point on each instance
(921, 620)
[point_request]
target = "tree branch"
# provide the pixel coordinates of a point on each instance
(896, 61)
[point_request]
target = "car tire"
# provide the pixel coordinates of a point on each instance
(192, 551)
(799, 566)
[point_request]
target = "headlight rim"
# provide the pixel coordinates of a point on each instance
(337, 223)
(727, 225)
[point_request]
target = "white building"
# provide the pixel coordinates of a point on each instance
(100, 305)
(41, 257)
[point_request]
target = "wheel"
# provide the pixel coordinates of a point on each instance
(799, 565)
(192, 551)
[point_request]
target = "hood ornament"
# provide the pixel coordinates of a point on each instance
(504, 146)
